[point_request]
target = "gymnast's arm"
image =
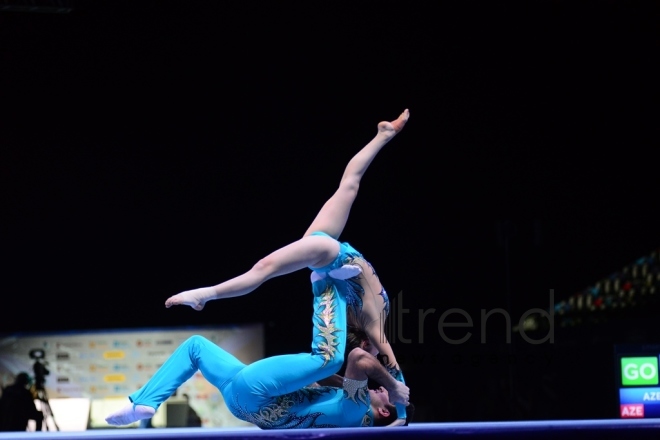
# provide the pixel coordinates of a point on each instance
(376, 333)
(362, 365)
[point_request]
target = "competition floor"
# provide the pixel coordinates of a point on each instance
(575, 429)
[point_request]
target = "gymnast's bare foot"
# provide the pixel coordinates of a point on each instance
(392, 128)
(195, 298)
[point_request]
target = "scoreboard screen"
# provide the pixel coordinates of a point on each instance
(637, 380)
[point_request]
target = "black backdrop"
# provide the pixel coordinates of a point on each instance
(153, 147)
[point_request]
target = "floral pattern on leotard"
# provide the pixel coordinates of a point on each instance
(277, 415)
(386, 301)
(324, 321)
(356, 390)
(382, 293)
(356, 291)
(367, 420)
(354, 294)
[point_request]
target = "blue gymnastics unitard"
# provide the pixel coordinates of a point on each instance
(272, 393)
(354, 292)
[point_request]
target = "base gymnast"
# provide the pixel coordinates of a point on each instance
(337, 263)
(273, 393)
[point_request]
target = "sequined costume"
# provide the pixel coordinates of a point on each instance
(366, 308)
(272, 393)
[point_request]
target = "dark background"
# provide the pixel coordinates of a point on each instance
(153, 147)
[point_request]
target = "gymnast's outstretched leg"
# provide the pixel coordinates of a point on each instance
(311, 250)
(333, 216)
(263, 379)
(196, 353)
(308, 251)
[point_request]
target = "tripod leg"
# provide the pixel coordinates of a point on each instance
(46, 411)
(51, 415)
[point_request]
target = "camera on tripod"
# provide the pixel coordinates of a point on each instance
(39, 367)
(40, 373)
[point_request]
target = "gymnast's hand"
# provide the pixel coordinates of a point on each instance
(399, 394)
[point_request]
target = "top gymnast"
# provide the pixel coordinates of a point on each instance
(320, 251)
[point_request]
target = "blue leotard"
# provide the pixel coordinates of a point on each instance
(272, 393)
(346, 254)
(354, 293)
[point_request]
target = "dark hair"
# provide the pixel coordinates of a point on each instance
(354, 338)
(410, 413)
(384, 421)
